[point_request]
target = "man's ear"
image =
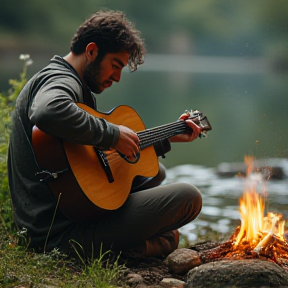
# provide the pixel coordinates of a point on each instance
(91, 51)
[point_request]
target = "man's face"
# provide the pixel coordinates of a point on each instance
(100, 75)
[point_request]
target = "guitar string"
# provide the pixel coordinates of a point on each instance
(161, 133)
(151, 136)
(159, 128)
(167, 127)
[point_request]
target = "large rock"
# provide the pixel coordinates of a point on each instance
(238, 273)
(182, 260)
(274, 168)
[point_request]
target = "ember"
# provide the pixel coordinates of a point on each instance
(258, 236)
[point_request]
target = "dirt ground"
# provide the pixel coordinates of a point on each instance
(152, 269)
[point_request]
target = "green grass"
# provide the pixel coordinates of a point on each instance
(21, 267)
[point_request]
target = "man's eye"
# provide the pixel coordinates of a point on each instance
(114, 67)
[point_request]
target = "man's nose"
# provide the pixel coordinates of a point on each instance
(116, 76)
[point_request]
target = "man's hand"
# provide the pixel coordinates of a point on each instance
(128, 143)
(187, 137)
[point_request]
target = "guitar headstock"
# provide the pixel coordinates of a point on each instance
(197, 117)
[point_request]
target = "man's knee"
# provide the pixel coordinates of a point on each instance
(196, 198)
(191, 198)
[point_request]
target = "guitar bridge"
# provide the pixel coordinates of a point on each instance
(105, 164)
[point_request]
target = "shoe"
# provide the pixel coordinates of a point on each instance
(162, 244)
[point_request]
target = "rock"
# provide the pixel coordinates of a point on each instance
(182, 260)
(238, 273)
(273, 168)
(172, 283)
(142, 285)
(134, 279)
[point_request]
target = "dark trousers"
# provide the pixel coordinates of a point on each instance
(146, 213)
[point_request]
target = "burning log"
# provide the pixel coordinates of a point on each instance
(275, 250)
(267, 239)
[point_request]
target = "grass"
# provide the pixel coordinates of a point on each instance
(21, 267)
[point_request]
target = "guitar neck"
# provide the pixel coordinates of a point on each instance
(150, 136)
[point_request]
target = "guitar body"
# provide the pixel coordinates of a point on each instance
(84, 191)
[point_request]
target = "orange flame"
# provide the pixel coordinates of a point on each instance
(254, 226)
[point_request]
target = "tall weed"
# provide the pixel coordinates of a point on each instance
(7, 104)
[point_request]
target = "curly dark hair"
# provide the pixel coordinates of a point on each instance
(112, 33)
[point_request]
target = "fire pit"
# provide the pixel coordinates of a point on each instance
(256, 255)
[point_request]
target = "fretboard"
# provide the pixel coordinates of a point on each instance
(151, 136)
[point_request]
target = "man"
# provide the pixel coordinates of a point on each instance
(148, 220)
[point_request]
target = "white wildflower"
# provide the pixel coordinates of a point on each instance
(24, 57)
(29, 62)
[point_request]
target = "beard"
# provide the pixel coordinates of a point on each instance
(91, 76)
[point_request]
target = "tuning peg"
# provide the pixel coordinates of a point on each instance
(188, 113)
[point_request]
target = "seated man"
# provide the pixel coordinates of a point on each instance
(152, 213)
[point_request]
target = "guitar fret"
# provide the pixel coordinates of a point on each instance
(151, 136)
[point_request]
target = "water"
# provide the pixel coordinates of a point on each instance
(219, 216)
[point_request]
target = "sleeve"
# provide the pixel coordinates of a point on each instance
(162, 147)
(55, 112)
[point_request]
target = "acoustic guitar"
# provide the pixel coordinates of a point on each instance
(87, 182)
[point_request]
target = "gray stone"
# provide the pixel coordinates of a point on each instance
(182, 260)
(274, 168)
(238, 273)
(134, 279)
(172, 283)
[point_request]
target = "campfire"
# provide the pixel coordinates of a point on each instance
(258, 236)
